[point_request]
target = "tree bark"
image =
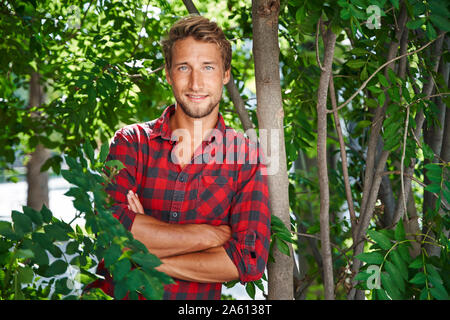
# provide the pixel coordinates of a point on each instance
(330, 41)
(270, 118)
(37, 193)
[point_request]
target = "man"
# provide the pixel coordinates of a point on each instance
(206, 218)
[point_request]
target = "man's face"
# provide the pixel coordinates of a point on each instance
(197, 76)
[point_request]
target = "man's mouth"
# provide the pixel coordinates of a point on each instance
(196, 97)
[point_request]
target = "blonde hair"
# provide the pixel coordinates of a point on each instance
(200, 28)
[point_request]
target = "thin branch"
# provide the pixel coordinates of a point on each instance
(348, 190)
(330, 41)
(140, 77)
(378, 70)
(406, 175)
(402, 160)
(317, 44)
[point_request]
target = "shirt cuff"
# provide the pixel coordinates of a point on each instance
(242, 253)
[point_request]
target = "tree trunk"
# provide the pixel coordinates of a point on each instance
(37, 193)
(270, 118)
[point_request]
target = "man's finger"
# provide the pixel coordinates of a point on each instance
(131, 204)
(139, 206)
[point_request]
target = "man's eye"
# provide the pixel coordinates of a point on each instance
(182, 68)
(209, 68)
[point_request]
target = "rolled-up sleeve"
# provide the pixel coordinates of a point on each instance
(249, 244)
(122, 148)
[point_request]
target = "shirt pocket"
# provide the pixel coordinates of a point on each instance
(214, 196)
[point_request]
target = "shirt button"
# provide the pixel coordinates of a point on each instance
(174, 214)
(182, 179)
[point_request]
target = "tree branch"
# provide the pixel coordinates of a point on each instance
(330, 41)
(317, 44)
(337, 124)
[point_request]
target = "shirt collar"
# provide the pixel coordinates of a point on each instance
(162, 129)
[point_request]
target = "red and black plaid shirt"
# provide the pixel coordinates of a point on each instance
(225, 183)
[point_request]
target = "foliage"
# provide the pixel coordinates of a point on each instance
(360, 50)
(397, 275)
(37, 249)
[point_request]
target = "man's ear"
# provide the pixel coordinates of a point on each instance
(169, 80)
(226, 76)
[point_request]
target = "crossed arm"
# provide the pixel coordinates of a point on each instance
(192, 252)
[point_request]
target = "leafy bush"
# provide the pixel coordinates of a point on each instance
(37, 249)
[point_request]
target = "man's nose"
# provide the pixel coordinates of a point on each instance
(196, 80)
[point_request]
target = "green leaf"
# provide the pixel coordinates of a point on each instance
(146, 260)
(34, 215)
(104, 150)
(112, 254)
(446, 193)
(7, 231)
(21, 222)
(433, 172)
(87, 147)
(72, 247)
(250, 288)
(282, 246)
(439, 293)
(390, 287)
(396, 4)
(431, 32)
(55, 232)
(375, 90)
(415, 24)
(440, 22)
(134, 280)
(395, 275)
(120, 268)
(57, 267)
(381, 99)
(362, 276)
(300, 14)
(356, 64)
(419, 278)
(400, 232)
(382, 79)
(380, 239)
(153, 289)
(25, 275)
(434, 187)
(371, 257)
(399, 264)
(115, 163)
(381, 294)
(120, 290)
(24, 254)
(46, 214)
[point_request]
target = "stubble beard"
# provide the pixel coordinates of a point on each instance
(198, 114)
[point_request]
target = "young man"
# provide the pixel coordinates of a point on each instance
(193, 191)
